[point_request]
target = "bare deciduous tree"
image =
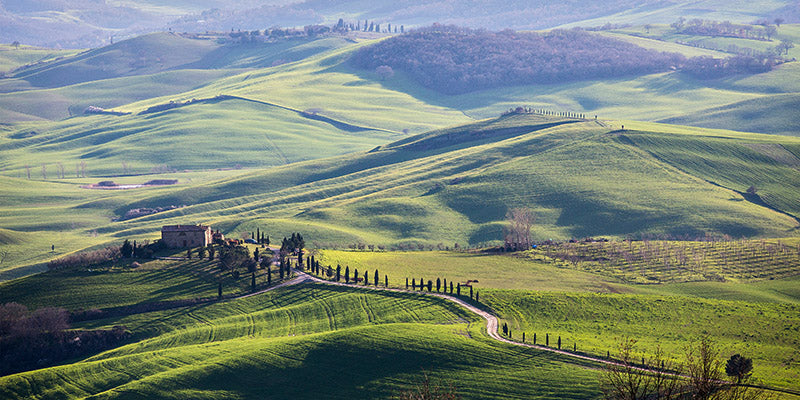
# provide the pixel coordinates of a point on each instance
(518, 231)
(627, 381)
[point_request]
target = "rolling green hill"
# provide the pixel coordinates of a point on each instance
(369, 345)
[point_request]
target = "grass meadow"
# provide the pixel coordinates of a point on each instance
(367, 344)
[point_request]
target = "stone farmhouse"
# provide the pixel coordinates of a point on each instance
(186, 235)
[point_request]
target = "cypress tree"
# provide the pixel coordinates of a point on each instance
(133, 250)
(505, 329)
(347, 274)
(338, 272)
(451, 287)
(253, 282)
(438, 285)
(377, 278)
(458, 288)
(280, 270)
(470, 291)
(547, 339)
(413, 283)
(366, 278)
(477, 297)
(355, 276)
(258, 235)
(523, 337)
(575, 347)
(430, 285)
(421, 284)
(385, 280)
(534, 338)
(444, 284)
(406, 283)
(559, 342)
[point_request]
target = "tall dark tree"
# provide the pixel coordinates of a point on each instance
(355, 276)
(377, 278)
(438, 285)
(211, 251)
(366, 278)
(458, 289)
(347, 274)
(413, 284)
(451, 287)
(385, 280)
(406, 283)
(430, 285)
(739, 367)
(338, 272)
(269, 275)
(253, 281)
(126, 250)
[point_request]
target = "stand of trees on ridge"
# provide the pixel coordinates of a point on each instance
(456, 60)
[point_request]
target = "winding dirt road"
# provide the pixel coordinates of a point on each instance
(491, 321)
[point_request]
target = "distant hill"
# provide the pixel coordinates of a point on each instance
(580, 178)
(769, 114)
(86, 23)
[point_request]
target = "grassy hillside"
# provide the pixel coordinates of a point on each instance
(580, 178)
(144, 67)
(372, 345)
(597, 322)
(771, 114)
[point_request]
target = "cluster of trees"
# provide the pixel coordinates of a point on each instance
(369, 26)
(441, 287)
(458, 60)
(293, 245)
(40, 338)
(86, 258)
(659, 378)
(704, 27)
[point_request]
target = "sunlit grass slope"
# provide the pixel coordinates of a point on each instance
(274, 345)
(580, 178)
(767, 332)
(141, 68)
(12, 57)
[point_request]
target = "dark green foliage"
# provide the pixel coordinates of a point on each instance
(253, 281)
(201, 252)
(211, 251)
(547, 339)
(470, 291)
(269, 275)
(377, 278)
(739, 367)
(430, 285)
(406, 283)
(458, 289)
(559, 345)
(347, 274)
(438, 285)
(505, 329)
(523, 337)
(126, 250)
(255, 254)
(386, 281)
(338, 272)
(233, 257)
(451, 287)
(366, 278)
(355, 276)
(413, 283)
(534, 338)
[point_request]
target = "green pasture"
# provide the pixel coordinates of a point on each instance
(767, 332)
(370, 345)
(491, 271)
(12, 57)
(580, 178)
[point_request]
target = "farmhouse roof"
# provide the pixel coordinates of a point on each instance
(184, 228)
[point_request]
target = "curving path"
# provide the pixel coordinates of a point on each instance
(491, 322)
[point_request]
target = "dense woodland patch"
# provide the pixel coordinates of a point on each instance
(456, 60)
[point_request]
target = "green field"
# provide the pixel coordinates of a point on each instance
(595, 311)
(369, 345)
(580, 178)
